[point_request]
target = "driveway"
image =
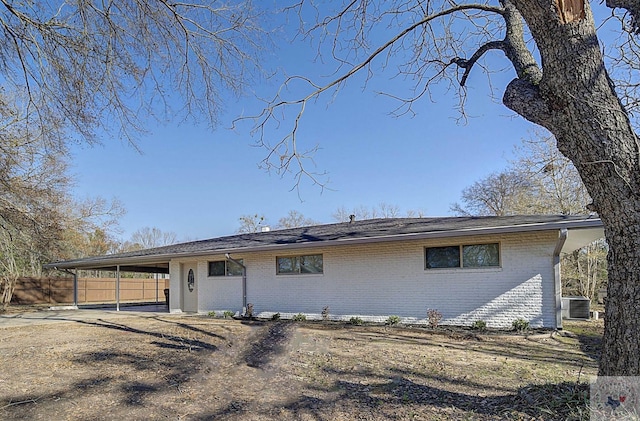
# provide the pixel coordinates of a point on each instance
(61, 315)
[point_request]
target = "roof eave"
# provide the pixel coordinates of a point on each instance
(465, 232)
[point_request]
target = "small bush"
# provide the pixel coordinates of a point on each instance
(299, 317)
(275, 317)
(211, 314)
(479, 325)
(227, 314)
(249, 311)
(520, 325)
(325, 313)
(356, 321)
(433, 318)
(393, 320)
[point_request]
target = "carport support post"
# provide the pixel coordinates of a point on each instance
(75, 288)
(118, 288)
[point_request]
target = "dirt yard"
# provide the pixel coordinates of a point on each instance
(199, 368)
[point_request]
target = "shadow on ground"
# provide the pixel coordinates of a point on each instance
(168, 370)
(400, 398)
(269, 342)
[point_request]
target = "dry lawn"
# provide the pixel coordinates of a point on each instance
(198, 368)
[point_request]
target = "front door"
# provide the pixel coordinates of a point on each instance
(190, 287)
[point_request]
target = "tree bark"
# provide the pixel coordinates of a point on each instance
(576, 101)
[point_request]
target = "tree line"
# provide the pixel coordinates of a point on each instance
(249, 223)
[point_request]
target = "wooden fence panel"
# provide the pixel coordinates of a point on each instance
(90, 290)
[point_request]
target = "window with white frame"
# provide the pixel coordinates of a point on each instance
(463, 256)
(225, 268)
(302, 264)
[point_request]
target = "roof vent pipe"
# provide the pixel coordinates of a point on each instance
(352, 218)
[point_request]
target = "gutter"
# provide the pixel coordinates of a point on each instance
(564, 233)
(244, 282)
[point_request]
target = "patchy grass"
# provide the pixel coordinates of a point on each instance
(193, 368)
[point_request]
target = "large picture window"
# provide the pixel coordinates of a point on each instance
(304, 264)
(463, 256)
(225, 268)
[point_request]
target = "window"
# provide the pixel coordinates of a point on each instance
(465, 256)
(443, 257)
(225, 268)
(480, 255)
(293, 265)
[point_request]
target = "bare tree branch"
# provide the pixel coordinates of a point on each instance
(632, 7)
(283, 152)
(111, 65)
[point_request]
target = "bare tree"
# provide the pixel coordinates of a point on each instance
(412, 213)
(498, 194)
(110, 66)
(32, 187)
(341, 214)
(295, 219)
(90, 226)
(540, 181)
(38, 220)
(150, 237)
(569, 91)
(251, 223)
(584, 271)
(72, 70)
(141, 239)
(389, 211)
(556, 186)
(382, 210)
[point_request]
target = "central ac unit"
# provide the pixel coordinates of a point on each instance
(575, 307)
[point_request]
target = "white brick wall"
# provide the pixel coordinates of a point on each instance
(374, 281)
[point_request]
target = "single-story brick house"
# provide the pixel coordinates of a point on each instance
(495, 269)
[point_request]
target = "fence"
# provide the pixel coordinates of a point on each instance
(90, 290)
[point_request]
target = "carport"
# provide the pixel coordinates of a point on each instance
(120, 264)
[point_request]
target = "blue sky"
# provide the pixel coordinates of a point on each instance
(197, 182)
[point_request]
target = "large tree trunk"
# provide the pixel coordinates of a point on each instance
(576, 101)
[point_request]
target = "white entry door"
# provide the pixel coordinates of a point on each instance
(190, 287)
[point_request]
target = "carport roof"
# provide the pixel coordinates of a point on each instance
(356, 232)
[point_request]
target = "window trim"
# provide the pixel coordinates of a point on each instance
(300, 271)
(226, 268)
(461, 256)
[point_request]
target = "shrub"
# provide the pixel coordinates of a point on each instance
(325, 313)
(249, 311)
(433, 318)
(211, 314)
(479, 325)
(357, 321)
(227, 314)
(299, 317)
(393, 320)
(275, 317)
(520, 325)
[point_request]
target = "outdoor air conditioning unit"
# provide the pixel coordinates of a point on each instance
(575, 307)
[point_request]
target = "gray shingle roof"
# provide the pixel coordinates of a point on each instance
(372, 230)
